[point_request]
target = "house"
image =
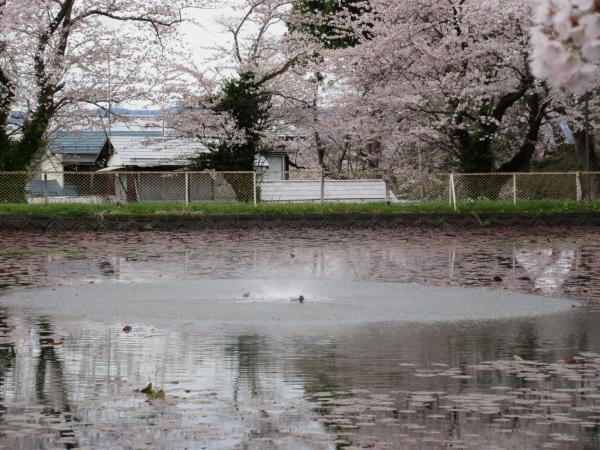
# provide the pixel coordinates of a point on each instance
(153, 168)
(86, 151)
(136, 145)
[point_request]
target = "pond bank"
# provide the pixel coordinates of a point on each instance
(197, 221)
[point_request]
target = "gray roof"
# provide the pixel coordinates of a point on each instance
(89, 142)
(153, 151)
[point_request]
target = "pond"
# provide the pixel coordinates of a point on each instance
(403, 339)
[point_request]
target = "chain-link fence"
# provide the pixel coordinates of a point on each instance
(294, 187)
(127, 187)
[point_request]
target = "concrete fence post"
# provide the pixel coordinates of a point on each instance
(45, 188)
(514, 189)
(255, 188)
(187, 189)
(386, 180)
(578, 187)
(453, 192)
(322, 188)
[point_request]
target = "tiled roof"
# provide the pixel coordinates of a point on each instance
(89, 142)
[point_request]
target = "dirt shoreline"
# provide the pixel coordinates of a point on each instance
(183, 222)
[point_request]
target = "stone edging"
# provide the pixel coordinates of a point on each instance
(175, 222)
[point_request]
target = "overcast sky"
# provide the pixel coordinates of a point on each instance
(207, 33)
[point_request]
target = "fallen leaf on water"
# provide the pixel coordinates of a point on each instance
(158, 395)
(147, 389)
(152, 394)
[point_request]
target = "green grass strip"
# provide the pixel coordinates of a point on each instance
(480, 206)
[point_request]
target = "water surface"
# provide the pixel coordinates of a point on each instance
(69, 372)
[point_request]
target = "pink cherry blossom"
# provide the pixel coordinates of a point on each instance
(566, 43)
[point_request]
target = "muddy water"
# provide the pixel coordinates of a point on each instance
(68, 377)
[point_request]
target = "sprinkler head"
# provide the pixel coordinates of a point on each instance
(301, 299)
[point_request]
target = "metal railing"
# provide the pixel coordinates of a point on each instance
(295, 186)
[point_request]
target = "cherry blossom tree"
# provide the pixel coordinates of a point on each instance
(332, 23)
(449, 79)
(55, 58)
(235, 113)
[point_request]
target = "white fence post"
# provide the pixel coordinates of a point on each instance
(453, 192)
(515, 189)
(45, 188)
(255, 187)
(187, 189)
(322, 188)
(578, 187)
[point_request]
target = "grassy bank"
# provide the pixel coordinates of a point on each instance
(542, 206)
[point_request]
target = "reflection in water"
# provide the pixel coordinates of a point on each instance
(65, 384)
(553, 261)
(549, 270)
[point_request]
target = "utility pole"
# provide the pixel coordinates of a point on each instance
(109, 97)
(587, 132)
(586, 113)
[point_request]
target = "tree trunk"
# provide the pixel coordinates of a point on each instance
(320, 149)
(342, 157)
(476, 155)
(522, 160)
(373, 154)
(491, 187)
(475, 150)
(32, 142)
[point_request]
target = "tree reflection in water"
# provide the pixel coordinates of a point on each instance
(246, 354)
(50, 383)
(7, 357)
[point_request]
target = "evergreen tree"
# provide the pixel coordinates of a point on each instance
(332, 35)
(248, 105)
